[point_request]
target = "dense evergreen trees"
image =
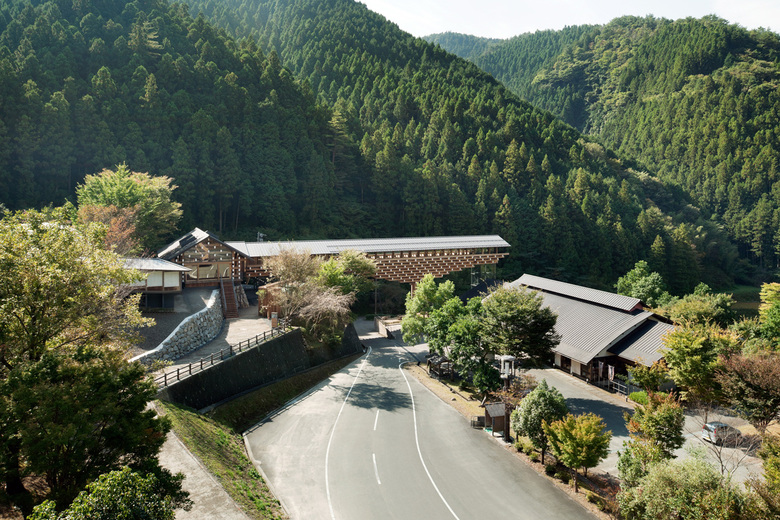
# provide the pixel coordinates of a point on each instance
(89, 86)
(445, 149)
(694, 100)
(383, 134)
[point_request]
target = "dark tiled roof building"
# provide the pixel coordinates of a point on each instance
(599, 329)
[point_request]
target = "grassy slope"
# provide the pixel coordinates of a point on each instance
(216, 439)
(222, 451)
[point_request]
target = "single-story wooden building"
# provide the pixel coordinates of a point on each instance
(601, 332)
(163, 281)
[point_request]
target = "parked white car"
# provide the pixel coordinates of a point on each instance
(721, 433)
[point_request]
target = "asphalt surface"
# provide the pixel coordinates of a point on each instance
(372, 442)
(740, 463)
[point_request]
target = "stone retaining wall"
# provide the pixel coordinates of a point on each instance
(192, 333)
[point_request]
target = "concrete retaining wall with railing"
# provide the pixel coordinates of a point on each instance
(192, 333)
(271, 361)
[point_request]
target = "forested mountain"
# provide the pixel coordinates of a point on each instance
(464, 45)
(449, 150)
(695, 100)
(86, 85)
(393, 137)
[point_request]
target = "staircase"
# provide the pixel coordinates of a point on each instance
(229, 304)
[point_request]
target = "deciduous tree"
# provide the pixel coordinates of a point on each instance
(70, 406)
(156, 214)
(427, 296)
(751, 384)
(122, 494)
(687, 489)
(649, 378)
(542, 404)
(516, 322)
(692, 357)
(643, 284)
(660, 422)
(578, 441)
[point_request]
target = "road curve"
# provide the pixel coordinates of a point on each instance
(394, 451)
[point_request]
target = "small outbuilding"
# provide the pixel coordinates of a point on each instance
(162, 281)
(495, 414)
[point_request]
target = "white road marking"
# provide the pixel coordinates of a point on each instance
(417, 440)
(330, 440)
(376, 470)
(376, 419)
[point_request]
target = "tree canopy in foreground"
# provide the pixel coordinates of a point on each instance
(71, 407)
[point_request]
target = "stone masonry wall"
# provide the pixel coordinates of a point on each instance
(192, 333)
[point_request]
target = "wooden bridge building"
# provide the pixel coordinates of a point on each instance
(404, 260)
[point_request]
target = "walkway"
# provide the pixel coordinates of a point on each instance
(209, 499)
(246, 326)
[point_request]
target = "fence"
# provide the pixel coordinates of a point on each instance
(215, 358)
(623, 388)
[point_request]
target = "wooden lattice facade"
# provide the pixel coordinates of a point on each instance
(411, 266)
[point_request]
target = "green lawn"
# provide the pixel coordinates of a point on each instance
(747, 299)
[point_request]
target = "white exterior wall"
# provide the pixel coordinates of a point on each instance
(575, 367)
(557, 360)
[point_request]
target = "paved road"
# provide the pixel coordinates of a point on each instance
(582, 398)
(370, 443)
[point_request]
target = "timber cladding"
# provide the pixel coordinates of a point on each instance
(410, 268)
(270, 362)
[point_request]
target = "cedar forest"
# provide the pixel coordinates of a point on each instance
(318, 118)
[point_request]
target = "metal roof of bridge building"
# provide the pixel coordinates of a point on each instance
(370, 245)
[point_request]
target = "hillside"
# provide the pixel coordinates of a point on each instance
(463, 45)
(383, 134)
(85, 88)
(452, 151)
(695, 100)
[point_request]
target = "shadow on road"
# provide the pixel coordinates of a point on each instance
(370, 396)
(612, 414)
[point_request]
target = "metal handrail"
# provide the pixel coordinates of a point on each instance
(185, 371)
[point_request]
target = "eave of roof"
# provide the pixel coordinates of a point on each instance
(587, 329)
(642, 344)
(607, 299)
(154, 264)
(191, 239)
(371, 245)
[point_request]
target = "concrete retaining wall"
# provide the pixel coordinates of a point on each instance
(272, 361)
(192, 333)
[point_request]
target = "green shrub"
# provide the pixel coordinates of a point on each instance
(593, 498)
(563, 475)
(549, 469)
(535, 457)
(638, 397)
(524, 444)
